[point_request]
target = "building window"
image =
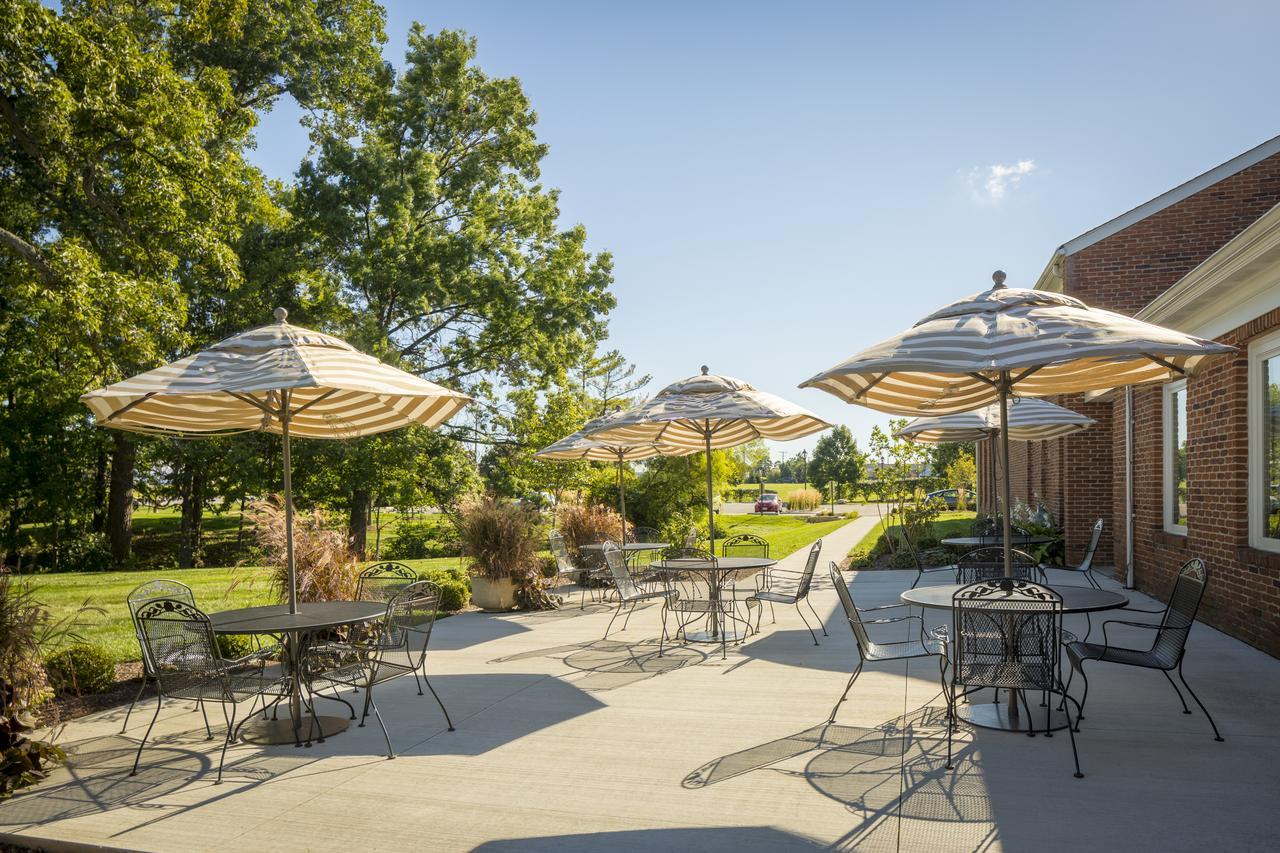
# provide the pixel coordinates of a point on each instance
(1175, 457)
(1264, 443)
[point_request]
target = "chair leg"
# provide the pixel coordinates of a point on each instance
(627, 620)
(390, 752)
(1084, 697)
(609, 627)
(816, 617)
(137, 696)
(806, 623)
(208, 732)
(1169, 677)
(663, 636)
(845, 694)
(438, 702)
(1216, 734)
(146, 734)
(231, 727)
(1071, 730)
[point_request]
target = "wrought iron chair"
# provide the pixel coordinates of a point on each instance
(405, 629)
(701, 592)
(750, 545)
(987, 563)
(921, 569)
(154, 590)
(929, 644)
(691, 538)
(1009, 635)
(792, 589)
(383, 581)
(1086, 565)
(644, 534)
(1169, 645)
(565, 567)
(632, 593)
(179, 643)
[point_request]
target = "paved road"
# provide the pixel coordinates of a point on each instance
(864, 510)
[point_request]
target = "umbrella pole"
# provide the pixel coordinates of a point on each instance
(711, 504)
(622, 502)
(1005, 487)
(288, 501)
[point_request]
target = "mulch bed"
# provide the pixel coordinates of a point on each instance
(61, 709)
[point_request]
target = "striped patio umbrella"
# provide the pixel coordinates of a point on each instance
(981, 349)
(579, 446)
(276, 378)
(708, 412)
(1030, 419)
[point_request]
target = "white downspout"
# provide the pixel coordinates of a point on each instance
(1128, 487)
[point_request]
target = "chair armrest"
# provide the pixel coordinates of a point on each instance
(882, 607)
(1106, 640)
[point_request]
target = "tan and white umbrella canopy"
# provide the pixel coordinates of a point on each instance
(1049, 343)
(579, 446)
(1030, 419)
(984, 347)
(276, 378)
(237, 385)
(708, 412)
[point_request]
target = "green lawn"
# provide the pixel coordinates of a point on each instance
(215, 589)
(785, 534)
(948, 524)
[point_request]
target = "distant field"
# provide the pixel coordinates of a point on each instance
(784, 533)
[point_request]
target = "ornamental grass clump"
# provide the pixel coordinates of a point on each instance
(500, 540)
(325, 566)
(804, 499)
(587, 525)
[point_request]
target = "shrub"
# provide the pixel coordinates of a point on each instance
(455, 588)
(232, 646)
(902, 559)
(935, 557)
(324, 564)
(88, 552)
(501, 538)
(421, 540)
(859, 558)
(804, 499)
(587, 525)
(79, 669)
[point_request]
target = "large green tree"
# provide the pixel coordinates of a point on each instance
(836, 459)
(445, 247)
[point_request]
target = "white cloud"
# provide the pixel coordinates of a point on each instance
(991, 184)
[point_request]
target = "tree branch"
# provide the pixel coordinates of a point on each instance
(30, 254)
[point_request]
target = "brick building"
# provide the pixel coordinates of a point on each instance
(1195, 463)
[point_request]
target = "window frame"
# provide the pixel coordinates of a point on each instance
(1260, 349)
(1169, 487)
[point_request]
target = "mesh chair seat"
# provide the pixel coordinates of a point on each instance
(1150, 659)
(776, 596)
(1007, 673)
(928, 647)
(237, 686)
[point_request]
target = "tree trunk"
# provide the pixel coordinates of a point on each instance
(99, 523)
(124, 454)
(192, 516)
(358, 523)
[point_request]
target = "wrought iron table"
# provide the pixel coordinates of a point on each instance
(715, 572)
(993, 715)
(294, 629)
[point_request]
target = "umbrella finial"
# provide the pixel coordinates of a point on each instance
(705, 370)
(998, 277)
(281, 314)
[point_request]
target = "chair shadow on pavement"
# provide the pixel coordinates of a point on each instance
(895, 770)
(610, 664)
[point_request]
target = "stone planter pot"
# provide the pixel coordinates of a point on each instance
(493, 595)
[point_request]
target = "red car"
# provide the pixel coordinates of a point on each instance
(768, 502)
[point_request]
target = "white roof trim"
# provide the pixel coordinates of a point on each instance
(1229, 288)
(1173, 196)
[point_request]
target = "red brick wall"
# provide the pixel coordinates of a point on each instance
(1243, 598)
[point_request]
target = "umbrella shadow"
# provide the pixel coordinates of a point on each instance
(728, 838)
(609, 664)
(464, 630)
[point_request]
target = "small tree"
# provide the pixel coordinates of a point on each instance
(961, 475)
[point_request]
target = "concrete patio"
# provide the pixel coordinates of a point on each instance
(567, 742)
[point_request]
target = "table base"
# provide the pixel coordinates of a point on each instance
(995, 715)
(266, 732)
(715, 636)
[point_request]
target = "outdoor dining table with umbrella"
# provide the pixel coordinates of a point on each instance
(1003, 341)
(708, 412)
(282, 379)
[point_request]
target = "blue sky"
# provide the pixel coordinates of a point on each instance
(782, 185)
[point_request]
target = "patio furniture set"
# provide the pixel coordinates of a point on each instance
(381, 636)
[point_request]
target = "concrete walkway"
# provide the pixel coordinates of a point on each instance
(568, 742)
